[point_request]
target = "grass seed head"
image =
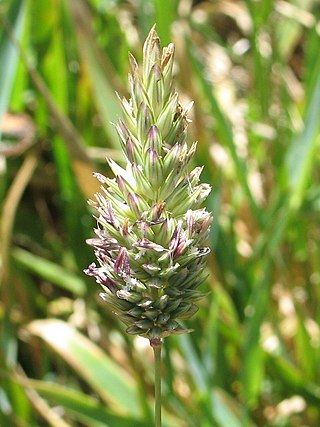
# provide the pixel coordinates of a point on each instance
(151, 230)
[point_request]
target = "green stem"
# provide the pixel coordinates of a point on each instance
(157, 384)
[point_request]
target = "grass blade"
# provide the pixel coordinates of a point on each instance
(102, 76)
(301, 156)
(223, 129)
(8, 53)
(105, 377)
(81, 407)
(253, 356)
(49, 271)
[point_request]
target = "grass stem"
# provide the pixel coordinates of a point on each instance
(157, 385)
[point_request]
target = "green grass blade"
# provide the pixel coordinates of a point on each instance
(223, 128)
(305, 349)
(165, 14)
(294, 380)
(8, 52)
(103, 78)
(49, 271)
(225, 410)
(301, 156)
(82, 407)
(13, 401)
(105, 377)
(253, 355)
(195, 367)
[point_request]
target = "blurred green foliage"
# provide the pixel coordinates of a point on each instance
(253, 70)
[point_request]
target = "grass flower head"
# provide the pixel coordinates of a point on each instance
(151, 229)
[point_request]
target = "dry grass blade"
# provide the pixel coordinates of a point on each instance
(39, 404)
(10, 207)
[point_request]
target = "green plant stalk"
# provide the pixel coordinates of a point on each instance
(157, 384)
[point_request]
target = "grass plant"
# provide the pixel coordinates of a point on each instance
(253, 70)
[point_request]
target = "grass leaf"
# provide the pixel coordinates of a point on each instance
(105, 377)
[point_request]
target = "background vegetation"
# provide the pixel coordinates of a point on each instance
(253, 70)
